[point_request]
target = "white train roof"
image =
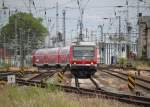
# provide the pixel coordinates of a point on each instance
(84, 43)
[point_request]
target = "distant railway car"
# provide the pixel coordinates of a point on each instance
(81, 59)
(52, 57)
(39, 58)
(64, 56)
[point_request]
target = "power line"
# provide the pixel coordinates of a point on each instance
(66, 3)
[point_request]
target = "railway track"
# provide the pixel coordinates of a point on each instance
(98, 92)
(34, 76)
(4, 74)
(91, 79)
(137, 100)
(95, 83)
(43, 75)
(139, 81)
(125, 68)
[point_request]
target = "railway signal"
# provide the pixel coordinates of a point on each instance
(131, 81)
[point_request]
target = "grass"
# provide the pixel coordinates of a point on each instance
(37, 97)
(4, 65)
(141, 64)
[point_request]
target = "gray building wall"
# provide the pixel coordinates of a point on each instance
(148, 44)
(109, 50)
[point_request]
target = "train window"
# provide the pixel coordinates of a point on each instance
(53, 51)
(64, 51)
(40, 52)
(83, 51)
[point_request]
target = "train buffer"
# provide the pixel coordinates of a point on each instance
(131, 82)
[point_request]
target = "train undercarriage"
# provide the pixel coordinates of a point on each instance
(79, 71)
(83, 71)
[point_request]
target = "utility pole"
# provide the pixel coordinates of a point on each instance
(30, 6)
(119, 35)
(78, 23)
(49, 37)
(119, 26)
(4, 46)
(57, 21)
(86, 35)
(102, 38)
(128, 31)
(64, 27)
(92, 35)
(81, 10)
(0, 35)
(21, 49)
(138, 7)
(81, 26)
(71, 36)
(127, 21)
(16, 41)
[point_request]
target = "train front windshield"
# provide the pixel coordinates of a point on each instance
(83, 52)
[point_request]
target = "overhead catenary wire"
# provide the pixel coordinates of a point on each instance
(81, 11)
(72, 1)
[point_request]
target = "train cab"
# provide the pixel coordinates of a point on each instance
(83, 60)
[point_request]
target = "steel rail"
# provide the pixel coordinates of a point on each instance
(137, 100)
(95, 83)
(40, 75)
(125, 68)
(124, 77)
(43, 75)
(139, 78)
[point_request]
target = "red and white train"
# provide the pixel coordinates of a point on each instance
(81, 59)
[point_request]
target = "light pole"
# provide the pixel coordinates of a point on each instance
(0, 35)
(64, 27)
(71, 35)
(101, 27)
(81, 10)
(81, 25)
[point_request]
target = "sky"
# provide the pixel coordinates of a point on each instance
(94, 13)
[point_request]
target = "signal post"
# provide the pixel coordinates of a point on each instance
(131, 82)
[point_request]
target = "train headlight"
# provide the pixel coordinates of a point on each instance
(74, 63)
(92, 63)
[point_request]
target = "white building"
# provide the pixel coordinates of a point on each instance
(113, 47)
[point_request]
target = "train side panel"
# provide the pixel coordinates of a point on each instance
(64, 55)
(53, 57)
(33, 58)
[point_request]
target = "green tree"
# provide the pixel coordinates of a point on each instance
(23, 33)
(23, 28)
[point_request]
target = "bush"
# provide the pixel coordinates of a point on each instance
(122, 61)
(4, 65)
(52, 88)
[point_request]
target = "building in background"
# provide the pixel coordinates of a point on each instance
(112, 48)
(144, 37)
